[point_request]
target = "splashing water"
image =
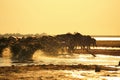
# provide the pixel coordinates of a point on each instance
(6, 57)
(6, 53)
(39, 57)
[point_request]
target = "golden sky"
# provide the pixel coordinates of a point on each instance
(89, 17)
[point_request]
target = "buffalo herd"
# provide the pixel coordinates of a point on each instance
(24, 47)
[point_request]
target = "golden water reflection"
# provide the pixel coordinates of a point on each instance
(5, 62)
(40, 58)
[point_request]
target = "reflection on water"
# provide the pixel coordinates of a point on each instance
(92, 75)
(6, 53)
(108, 38)
(5, 62)
(39, 57)
(106, 48)
(86, 59)
(75, 59)
(6, 57)
(100, 60)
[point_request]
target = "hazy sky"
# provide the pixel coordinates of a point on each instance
(90, 17)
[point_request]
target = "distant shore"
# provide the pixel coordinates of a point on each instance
(99, 51)
(105, 43)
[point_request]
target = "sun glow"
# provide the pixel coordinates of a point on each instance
(89, 17)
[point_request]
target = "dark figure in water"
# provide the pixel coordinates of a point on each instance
(119, 63)
(97, 69)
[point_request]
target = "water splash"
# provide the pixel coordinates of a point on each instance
(6, 53)
(6, 57)
(38, 55)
